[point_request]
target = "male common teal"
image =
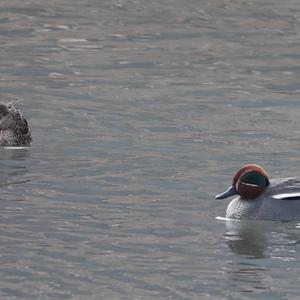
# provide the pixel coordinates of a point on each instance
(262, 198)
(14, 130)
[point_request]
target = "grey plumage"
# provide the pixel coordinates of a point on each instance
(267, 206)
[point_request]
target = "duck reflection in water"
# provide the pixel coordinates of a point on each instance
(262, 239)
(247, 238)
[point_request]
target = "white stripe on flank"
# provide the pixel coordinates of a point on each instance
(14, 148)
(286, 195)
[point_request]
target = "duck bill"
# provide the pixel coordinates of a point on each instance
(228, 193)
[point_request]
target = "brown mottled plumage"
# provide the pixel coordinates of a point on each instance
(14, 130)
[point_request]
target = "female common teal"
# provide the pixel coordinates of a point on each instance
(262, 198)
(14, 130)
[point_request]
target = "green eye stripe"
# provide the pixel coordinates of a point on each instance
(255, 178)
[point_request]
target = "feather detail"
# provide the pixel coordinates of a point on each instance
(287, 196)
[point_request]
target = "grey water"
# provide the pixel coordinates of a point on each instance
(141, 111)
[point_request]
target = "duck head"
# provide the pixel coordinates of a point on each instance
(249, 183)
(7, 118)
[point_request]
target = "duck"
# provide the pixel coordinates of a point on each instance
(14, 129)
(259, 197)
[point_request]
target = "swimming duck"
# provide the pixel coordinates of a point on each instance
(262, 198)
(14, 130)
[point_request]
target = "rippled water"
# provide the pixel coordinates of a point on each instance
(141, 111)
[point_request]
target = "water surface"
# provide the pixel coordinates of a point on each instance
(141, 111)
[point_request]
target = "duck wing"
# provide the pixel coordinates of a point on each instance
(285, 189)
